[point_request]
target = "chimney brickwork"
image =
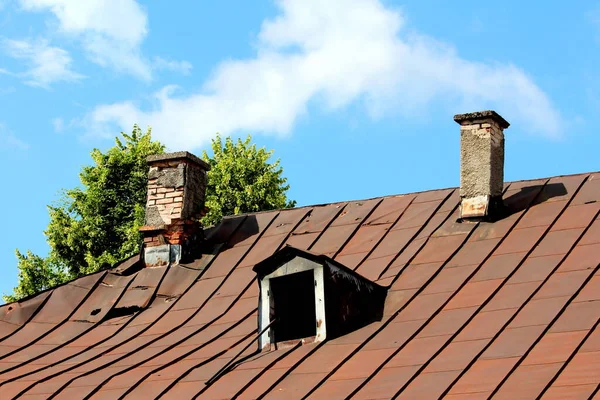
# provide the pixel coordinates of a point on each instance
(176, 194)
(481, 163)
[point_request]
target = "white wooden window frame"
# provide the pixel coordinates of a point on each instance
(295, 265)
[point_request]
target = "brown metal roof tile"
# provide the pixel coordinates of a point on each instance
(575, 392)
(562, 284)
(439, 249)
(557, 242)
(416, 215)
(536, 269)
(365, 239)
(428, 385)
(513, 342)
(589, 191)
(582, 257)
(511, 295)
(177, 280)
(473, 294)
(433, 195)
(394, 335)
(393, 242)
(538, 312)
(294, 386)
(499, 266)
(527, 381)
(416, 351)
(456, 356)
(386, 383)
(554, 347)
(592, 343)
(474, 252)
(583, 369)
(414, 276)
(562, 187)
(542, 214)
(445, 289)
(319, 218)
(591, 291)
(390, 209)
(18, 313)
(447, 322)
(483, 376)
(335, 388)
(578, 316)
(520, 240)
(352, 261)
(577, 216)
(248, 231)
(486, 324)
(356, 212)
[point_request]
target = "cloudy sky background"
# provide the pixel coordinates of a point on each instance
(355, 96)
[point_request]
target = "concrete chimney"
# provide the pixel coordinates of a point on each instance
(481, 164)
(176, 194)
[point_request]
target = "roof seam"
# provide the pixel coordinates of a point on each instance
(138, 334)
(196, 366)
(366, 217)
(415, 235)
(393, 316)
(203, 327)
(385, 234)
(61, 323)
(423, 326)
(531, 250)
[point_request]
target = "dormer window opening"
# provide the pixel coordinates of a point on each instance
(310, 297)
(292, 303)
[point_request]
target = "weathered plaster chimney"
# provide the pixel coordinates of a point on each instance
(481, 164)
(176, 194)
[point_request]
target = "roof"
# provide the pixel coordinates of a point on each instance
(509, 308)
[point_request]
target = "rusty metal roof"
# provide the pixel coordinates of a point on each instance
(508, 309)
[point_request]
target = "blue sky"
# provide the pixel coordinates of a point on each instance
(355, 96)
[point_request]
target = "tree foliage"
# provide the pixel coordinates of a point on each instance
(242, 179)
(36, 274)
(94, 226)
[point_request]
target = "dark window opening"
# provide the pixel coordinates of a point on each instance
(293, 305)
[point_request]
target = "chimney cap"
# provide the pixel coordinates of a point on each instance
(178, 155)
(479, 115)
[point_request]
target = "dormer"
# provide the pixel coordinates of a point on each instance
(311, 297)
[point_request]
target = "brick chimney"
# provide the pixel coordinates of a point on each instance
(176, 194)
(481, 164)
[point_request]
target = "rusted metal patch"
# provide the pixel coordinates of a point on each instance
(475, 207)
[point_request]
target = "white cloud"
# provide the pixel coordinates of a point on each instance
(9, 141)
(111, 31)
(338, 52)
(47, 64)
(183, 67)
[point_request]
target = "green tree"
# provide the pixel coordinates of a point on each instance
(96, 225)
(36, 274)
(242, 179)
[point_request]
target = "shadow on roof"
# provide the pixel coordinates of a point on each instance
(532, 195)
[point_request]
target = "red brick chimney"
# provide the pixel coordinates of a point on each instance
(176, 194)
